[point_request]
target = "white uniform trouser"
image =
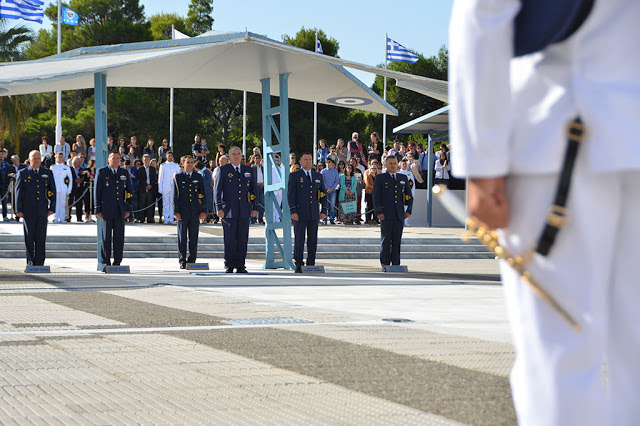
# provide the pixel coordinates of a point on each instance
(167, 206)
(593, 272)
(61, 206)
(278, 195)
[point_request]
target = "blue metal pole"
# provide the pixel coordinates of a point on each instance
(269, 129)
(430, 183)
(100, 95)
(287, 255)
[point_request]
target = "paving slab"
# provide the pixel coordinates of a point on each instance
(160, 345)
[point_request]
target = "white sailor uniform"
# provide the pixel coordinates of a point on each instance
(64, 183)
(509, 118)
(165, 186)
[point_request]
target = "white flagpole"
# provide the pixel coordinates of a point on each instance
(244, 122)
(59, 93)
(173, 36)
(315, 119)
(384, 116)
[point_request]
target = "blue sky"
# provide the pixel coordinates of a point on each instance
(358, 25)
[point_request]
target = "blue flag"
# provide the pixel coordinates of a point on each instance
(318, 46)
(69, 17)
(399, 53)
(29, 10)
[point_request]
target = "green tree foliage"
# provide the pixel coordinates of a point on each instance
(161, 25)
(410, 104)
(14, 110)
(330, 118)
(101, 22)
(306, 39)
(200, 17)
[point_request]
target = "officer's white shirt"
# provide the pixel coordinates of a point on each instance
(508, 116)
(165, 177)
(60, 171)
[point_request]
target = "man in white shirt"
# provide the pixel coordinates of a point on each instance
(515, 105)
(64, 179)
(168, 170)
(63, 147)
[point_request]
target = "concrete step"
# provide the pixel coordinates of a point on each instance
(69, 246)
(206, 247)
(255, 255)
(209, 239)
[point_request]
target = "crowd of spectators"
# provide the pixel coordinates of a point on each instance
(348, 171)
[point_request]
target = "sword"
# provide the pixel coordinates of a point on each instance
(489, 238)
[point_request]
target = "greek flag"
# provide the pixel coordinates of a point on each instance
(399, 53)
(318, 46)
(69, 17)
(29, 10)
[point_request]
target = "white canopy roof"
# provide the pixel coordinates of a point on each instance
(436, 120)
(218, 61)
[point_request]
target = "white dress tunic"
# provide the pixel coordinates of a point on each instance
(60, 172)
(508, 118)
(165, 187)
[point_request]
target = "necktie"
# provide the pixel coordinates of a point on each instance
(308, 176)
(237, 170)
(393, 176)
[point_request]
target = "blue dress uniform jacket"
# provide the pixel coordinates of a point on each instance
(305, 196)
(113, 193)
(35, 198)
(231, 191)
(389, 198)
(189, 200)
(235, 194)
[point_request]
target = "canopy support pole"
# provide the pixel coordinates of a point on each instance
(430, 183)
(269, 129)
(100, 95)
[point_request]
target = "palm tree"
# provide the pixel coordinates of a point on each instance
(14, 110)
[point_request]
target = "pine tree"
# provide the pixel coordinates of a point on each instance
(199, 17)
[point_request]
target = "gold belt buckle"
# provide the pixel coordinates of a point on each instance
(558, 216)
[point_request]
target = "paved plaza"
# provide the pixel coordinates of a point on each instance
(161, 345)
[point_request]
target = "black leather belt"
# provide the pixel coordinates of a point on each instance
(558, 215)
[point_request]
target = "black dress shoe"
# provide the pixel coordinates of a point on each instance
(229, 270)
(298, 269)
(183, 266)
(241, 270)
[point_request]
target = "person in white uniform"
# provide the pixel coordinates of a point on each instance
(168, 170)
(63, 179)
(512, 99)
(275, 179)
(405, 170)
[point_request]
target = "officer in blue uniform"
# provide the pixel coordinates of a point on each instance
(391, 192)
(189, 208)
(235, 197)
(113, 193)
(35, 201)
(305, 195)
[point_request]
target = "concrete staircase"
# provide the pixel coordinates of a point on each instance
(12, 246)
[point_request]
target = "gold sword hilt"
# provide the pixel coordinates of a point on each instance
(489, 238)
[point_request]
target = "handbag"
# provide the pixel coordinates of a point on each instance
(349, 207)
